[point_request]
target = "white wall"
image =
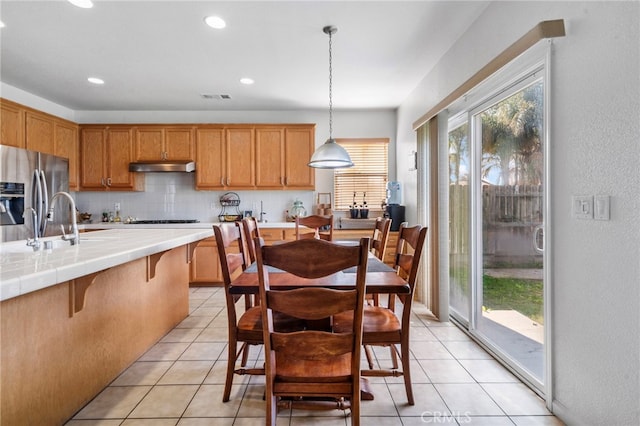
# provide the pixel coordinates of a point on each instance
(594, 149)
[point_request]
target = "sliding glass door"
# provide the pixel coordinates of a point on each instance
(496, 225)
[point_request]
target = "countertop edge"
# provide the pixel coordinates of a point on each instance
(25, 273)
(197, 225)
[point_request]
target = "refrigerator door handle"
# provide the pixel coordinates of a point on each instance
(36, 200)
(45, 202)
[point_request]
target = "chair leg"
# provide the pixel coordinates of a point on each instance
(376, 299)
(367, 352)
(355, 409)
(272, 411)
(406, 373)
(245, 355)
(231, 365)
(394, 356)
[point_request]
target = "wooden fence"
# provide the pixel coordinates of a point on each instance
(510, 213)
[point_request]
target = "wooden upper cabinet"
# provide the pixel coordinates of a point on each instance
(240, 158)
(255, 156)
(39, 132)
(149, 144)
(67, 146)
(210, 158)
(93, 151)
(119, 155)
(179, 143)
(164, 143)
(299, 147)
(11, 124)
(270, 158)
(105, 155)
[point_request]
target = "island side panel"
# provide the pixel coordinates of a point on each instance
(52, 363)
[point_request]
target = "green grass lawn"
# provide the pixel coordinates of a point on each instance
(524, 296)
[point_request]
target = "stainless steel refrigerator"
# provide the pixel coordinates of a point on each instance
(28, 180)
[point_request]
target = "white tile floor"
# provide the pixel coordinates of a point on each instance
(180, 380)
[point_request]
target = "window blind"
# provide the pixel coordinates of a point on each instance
(368, 176)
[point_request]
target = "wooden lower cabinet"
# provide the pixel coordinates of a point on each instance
(205, 264)
(269, 235)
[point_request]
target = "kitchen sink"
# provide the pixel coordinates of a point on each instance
(46, 245)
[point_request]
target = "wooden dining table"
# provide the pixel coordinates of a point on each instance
(380, 279)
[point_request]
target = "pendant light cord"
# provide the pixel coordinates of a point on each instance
(330, 89)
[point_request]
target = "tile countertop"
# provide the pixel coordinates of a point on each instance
(23, 271)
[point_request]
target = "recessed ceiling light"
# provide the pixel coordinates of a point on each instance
(95, 80)
(215, 22)
(85, 4)
(1, 24)
(247, 80)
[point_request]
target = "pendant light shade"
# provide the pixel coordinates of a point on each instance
(330, 155)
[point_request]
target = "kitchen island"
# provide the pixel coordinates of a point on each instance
(74, 317)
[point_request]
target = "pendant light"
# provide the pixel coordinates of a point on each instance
(330, 155)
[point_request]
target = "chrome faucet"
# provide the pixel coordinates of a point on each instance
(72, 238)
(262, 213)
(35, 242)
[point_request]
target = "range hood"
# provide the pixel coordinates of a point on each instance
(162, 166)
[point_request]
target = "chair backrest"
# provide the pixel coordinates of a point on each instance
(251, 231)
(320, 227)
(232, 261)
(411, 241)
(409, 251)
(315, 361)
(380, 236)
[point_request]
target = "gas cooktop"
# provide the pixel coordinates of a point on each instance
(156, 221)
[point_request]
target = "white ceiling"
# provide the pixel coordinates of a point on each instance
(159, 55)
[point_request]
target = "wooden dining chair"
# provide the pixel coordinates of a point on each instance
(379, 246)
(251, 231)
(314, 226)
(380, 237)
(243, 327)
(310, 366)
(383, 325)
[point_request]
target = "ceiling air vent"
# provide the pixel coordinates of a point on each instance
(218, 97)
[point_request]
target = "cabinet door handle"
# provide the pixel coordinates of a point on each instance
(102, 182)
(221, 181)
(109, 181)
(281, 180)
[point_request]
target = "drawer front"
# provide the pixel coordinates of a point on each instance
(272, 234)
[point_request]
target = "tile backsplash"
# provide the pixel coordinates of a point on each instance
(172, 196)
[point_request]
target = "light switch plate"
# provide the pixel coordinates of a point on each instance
(601, 208)
(582, 206)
